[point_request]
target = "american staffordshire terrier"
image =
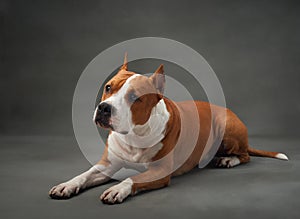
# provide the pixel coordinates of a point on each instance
(145, 128)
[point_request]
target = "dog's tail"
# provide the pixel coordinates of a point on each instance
(261, 153)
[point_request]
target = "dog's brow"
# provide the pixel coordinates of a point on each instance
(116, 85)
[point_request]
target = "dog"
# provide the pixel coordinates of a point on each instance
(145, 128)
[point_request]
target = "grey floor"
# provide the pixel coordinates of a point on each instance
(264, 188)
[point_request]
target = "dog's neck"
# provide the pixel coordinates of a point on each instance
(150, 133)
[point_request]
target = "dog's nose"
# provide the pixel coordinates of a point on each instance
(104, 109)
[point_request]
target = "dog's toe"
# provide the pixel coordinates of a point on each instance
(111, 196)
(227, 162)
(116, 194)
(63, 191)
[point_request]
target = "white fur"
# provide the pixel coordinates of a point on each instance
(129, 153)
(228, 161)
(95, 114)
(132, 148)
(136, 135)
(139, 145)
(96, 175)
(122, 120)
(118, 192)
(150, 133)
(142, 142)
(282, 156)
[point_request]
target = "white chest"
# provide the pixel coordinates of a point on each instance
(129, 153)
(142, 142)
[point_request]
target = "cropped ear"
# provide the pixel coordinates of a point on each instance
(124, 66)
(158, 79)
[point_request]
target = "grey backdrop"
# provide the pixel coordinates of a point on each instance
(253, 46)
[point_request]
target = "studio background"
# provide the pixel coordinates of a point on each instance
(253, 47)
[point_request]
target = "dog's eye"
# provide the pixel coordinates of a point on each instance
(133, 97)
(107, 88)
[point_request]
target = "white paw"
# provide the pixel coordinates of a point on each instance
(64, 190)
(117, 193)
(227, 161)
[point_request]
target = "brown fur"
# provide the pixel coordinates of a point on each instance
(148, 98)
(234, 141)
(116, 83)
(193, 128)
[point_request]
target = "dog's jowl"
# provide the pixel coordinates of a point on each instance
(157, 136)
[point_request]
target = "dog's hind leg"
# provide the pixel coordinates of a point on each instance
(232, 153)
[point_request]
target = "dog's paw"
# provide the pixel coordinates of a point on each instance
(64, 190)
(227, 162)
(116, 194)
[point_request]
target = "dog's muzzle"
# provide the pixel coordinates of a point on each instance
(103, 115)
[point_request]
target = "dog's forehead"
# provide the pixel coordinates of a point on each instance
(125, 82)
(116, 83)
(119, 80)
(142, 85)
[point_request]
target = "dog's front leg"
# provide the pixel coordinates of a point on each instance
(155, 177)
(96, 175)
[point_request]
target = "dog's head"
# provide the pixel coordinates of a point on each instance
(128, 99)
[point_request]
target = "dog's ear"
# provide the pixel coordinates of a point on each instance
(158, 79)
(124, 66)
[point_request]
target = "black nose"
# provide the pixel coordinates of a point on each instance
(104, 109)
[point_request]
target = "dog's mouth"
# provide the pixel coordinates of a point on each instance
(104, 123)
(108, 124)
